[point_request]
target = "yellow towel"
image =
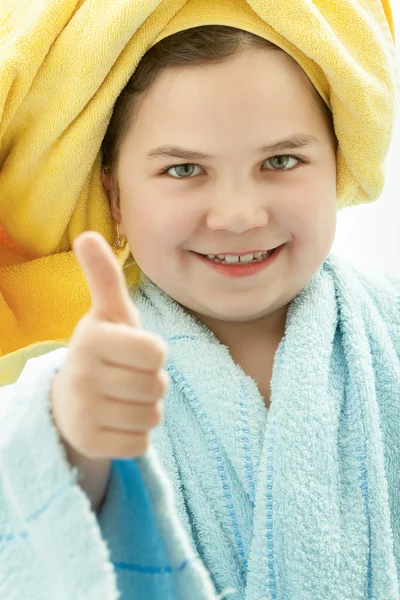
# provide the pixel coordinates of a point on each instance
(63, 64)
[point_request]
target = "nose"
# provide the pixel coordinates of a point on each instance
(237, 213)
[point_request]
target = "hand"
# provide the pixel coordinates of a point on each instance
(108, 394)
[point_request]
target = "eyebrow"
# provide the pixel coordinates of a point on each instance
(296, 141)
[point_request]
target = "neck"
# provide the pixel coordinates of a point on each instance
(263, 332)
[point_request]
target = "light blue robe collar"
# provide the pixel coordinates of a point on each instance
(230, 399)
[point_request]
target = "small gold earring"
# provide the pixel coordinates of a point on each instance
(120, 243)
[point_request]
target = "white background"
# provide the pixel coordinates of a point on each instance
(369, 234)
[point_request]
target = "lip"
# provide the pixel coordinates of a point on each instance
(236, 253)
(237, 270)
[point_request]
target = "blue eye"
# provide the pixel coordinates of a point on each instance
(283, 158)
(186, 170)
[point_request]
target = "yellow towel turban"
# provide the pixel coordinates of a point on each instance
(62, 65)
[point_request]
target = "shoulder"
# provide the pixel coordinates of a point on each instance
(382, 288)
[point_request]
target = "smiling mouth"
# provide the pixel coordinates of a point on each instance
(236, 259)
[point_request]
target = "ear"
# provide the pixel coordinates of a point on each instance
(113, 198)
(106, 182)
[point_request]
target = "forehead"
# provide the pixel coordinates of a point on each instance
(267, 71)
(258, 87)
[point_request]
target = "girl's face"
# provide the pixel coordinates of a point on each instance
(176, 204)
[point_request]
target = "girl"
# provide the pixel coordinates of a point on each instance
(272, 469)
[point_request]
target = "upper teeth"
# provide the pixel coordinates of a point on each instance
(232, 258)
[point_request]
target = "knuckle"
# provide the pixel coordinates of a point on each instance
(165, 380)
(161, 350)
(144, 442)
(156, 414)
(139, 446)
(157, 350)
(158, 385)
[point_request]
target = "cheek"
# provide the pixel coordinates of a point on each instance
(309, 214)
(158, 224)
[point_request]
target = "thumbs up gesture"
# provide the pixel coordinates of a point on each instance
(108, 394)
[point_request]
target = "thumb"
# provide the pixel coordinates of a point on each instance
(110, 298)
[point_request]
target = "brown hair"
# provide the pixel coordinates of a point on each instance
(202, 45)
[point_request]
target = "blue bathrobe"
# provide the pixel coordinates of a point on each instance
(300, 502)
